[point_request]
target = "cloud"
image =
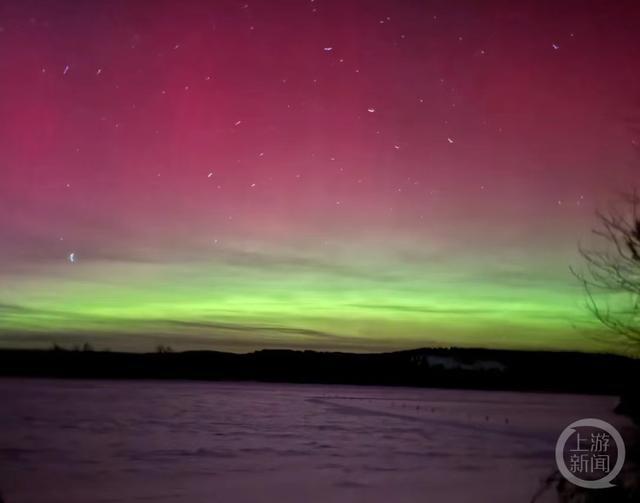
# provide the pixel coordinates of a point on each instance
(421, 309)
(8, 309)
(249, 328)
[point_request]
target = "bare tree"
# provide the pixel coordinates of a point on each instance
(164, 349)
(611, 276)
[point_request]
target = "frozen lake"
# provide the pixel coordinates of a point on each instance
(106, 441)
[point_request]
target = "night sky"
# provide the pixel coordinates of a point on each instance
(328, 174)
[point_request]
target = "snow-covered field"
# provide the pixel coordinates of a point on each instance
(106, 441)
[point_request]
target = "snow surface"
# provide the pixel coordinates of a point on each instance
(106, 441)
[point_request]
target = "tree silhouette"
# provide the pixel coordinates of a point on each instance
(611, 277)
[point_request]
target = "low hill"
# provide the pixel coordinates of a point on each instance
(457, 367)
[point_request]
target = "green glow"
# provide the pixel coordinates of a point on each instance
(357, 300)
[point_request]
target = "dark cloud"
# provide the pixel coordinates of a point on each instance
(420, 309)
(249, 328)
(14, 309)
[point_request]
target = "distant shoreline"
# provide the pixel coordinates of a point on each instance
(537, 371)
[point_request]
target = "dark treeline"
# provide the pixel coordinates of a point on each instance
(449, 368)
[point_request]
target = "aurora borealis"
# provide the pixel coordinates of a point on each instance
(318, 174)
